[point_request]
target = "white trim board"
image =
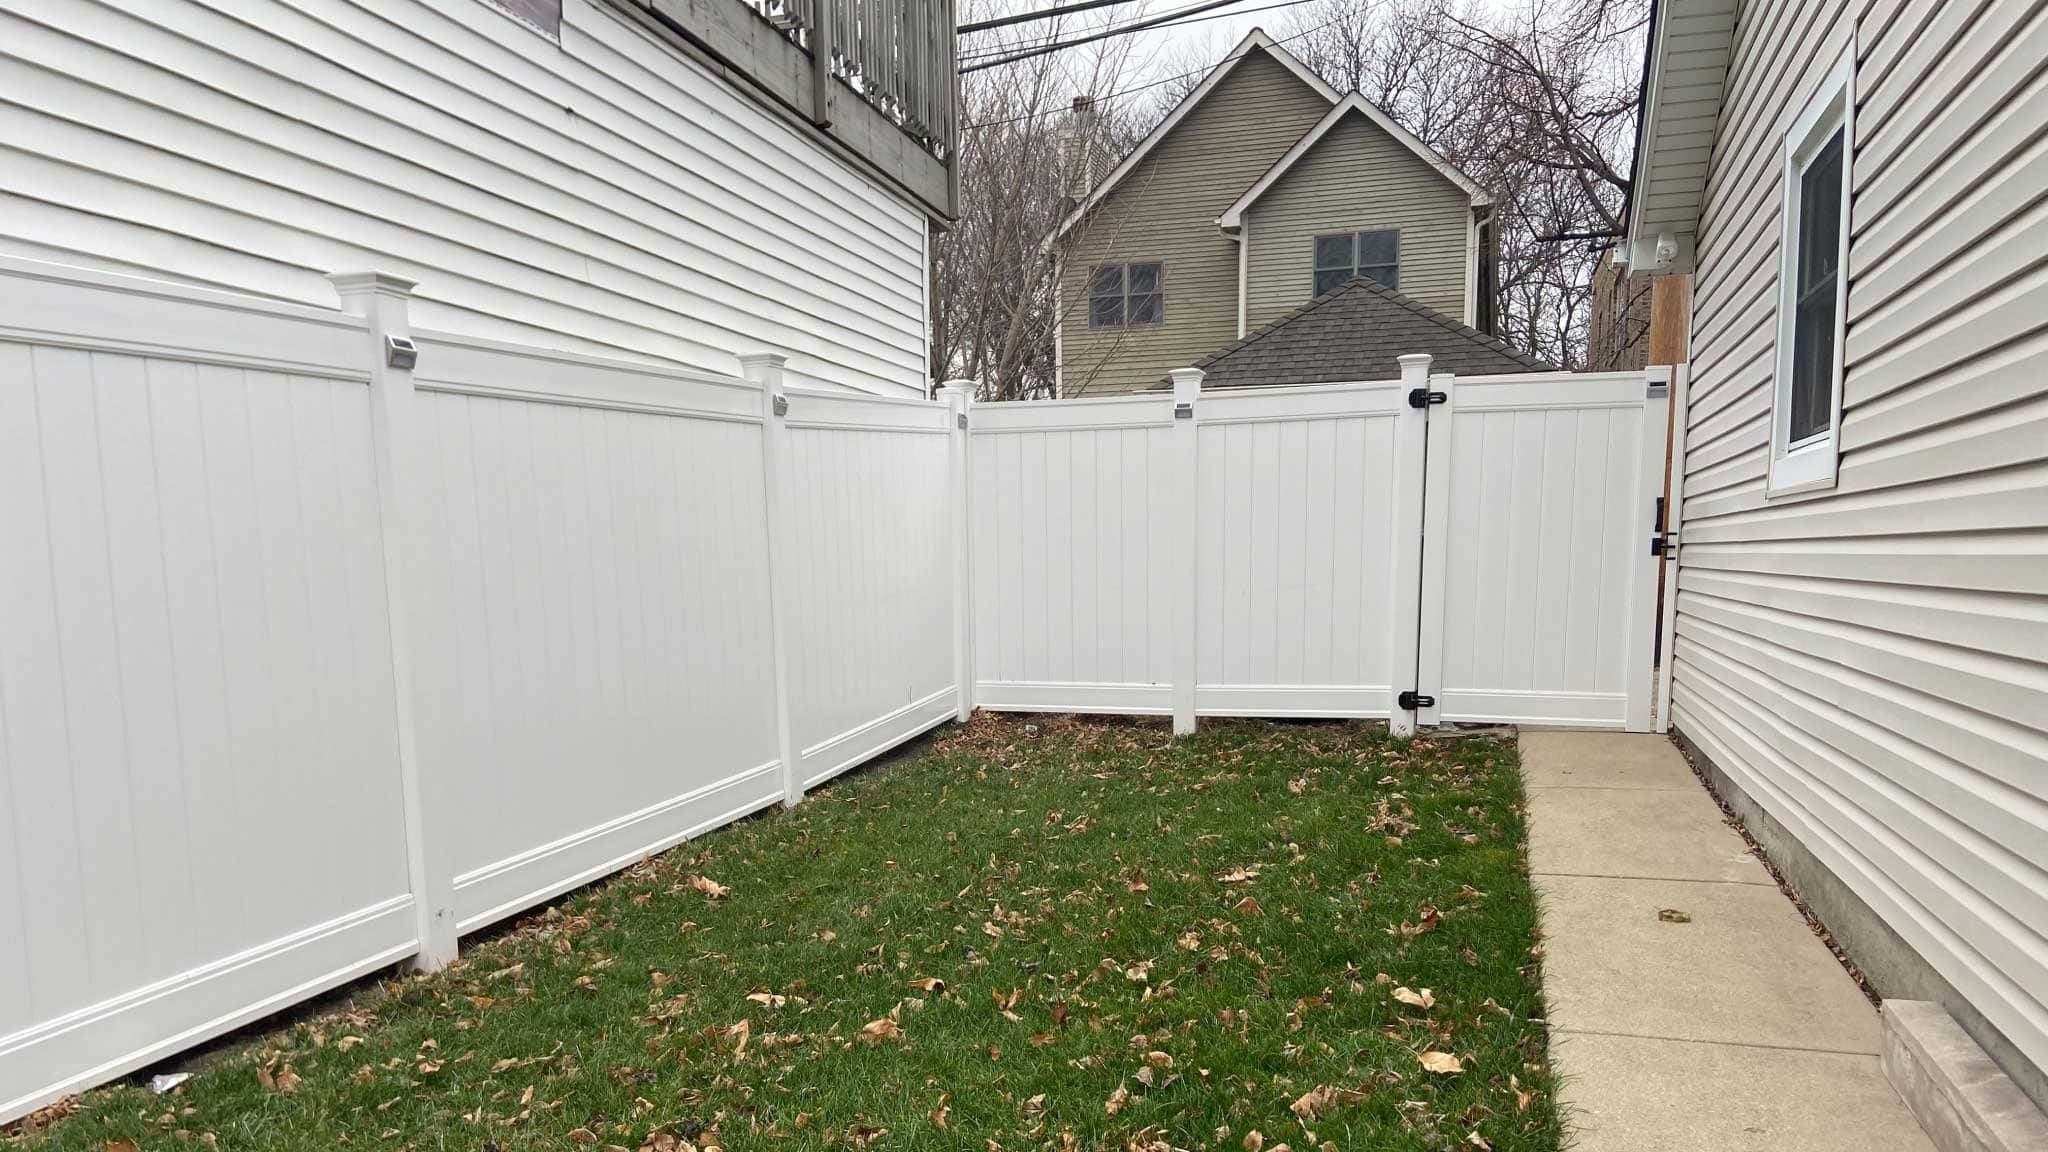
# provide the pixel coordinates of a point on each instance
(1233, 216)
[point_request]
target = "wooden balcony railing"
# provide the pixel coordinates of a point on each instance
(897, 55)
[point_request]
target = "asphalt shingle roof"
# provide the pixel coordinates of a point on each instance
(1355, 331)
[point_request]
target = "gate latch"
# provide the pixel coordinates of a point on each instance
(1662, 543)
(1423, 398)
(1411, 700)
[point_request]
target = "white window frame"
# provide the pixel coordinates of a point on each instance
(1812, 463)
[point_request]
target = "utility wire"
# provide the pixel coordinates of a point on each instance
(987, 53)
(1126, 29)
(1139, 88)
(1041, 14)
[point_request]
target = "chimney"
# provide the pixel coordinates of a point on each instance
(1083, 158)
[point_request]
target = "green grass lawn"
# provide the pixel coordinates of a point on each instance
(1038, 934)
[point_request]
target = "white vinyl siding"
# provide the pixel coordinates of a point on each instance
(601, 194)
(1357, 178)
(1870, 663)
(1165, 210)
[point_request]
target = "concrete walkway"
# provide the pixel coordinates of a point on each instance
(1722, 1024)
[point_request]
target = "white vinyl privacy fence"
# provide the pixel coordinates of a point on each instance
(324, 640)
(1427, 550)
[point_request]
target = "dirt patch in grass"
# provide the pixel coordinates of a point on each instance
(1045, 933)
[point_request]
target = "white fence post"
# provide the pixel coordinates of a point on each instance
(1674, 508)
(1187, 389)
(959, 397)
(1643, 568)
(765, 370)
(1404, 547)
(381, 298)
(1436, 539)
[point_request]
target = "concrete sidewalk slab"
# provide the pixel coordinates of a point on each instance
(1729, 1027)
(1603, 760)
(1656, 834)
(1636, 1094)
(1745, 970)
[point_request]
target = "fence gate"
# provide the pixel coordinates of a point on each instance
(1428, 550)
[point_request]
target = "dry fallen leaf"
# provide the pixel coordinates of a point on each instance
(876, 1031)
(1248, 907)
(707, 886)
(583, 1136)
(1415, 999)
(768, 999)
(1117, 1100)
(1253, 1141)
(121, 1146)
(942, 1115)
(1442, 1063)
(930, 985)
(1673, 916)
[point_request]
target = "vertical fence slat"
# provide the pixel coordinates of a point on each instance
(959, 398)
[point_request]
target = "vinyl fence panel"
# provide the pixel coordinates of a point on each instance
(871, 576)
(592, 659)
(1072, 565)
(200, 805)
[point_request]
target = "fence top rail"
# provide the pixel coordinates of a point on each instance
(1328, 388)
(67, 306)
(797, 392)
(811, 408)
(474, 365)
(1550, 390)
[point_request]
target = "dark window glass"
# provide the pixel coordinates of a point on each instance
(1106, 297)
(1373, 254)
(1121, 295)
(1333, 253)
(1819, 247)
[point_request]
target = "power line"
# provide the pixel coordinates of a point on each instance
(1141, 87)
(1135, 26)
(985, 54)
(1041, 14)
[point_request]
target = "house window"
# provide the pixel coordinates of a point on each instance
(1373, 254)
(1127, 295)
(1813, 287)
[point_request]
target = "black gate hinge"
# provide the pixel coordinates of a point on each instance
(1423, 398)
(1411, 700)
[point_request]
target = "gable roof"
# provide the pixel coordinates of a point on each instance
(1356, 331)
(1233, 217)
(1256, 40)
(1685, 75)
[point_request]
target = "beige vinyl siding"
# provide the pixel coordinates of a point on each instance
(599, 195)
(1355, 178)
(1166, 210)
(1870, 664)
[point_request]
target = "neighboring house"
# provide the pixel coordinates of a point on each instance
(1358, 331)
(1261, 190)
(639, 178)
(1862, 639)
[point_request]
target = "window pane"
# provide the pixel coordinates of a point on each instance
(1106, 311)
(1813, 368)
(1144, 278)
(1146, 308)
(1814, 319)
(1820, 215)
(1330, 278)
(1388, 274)
(1332, 252)
(1376, 248)
(1107, 280)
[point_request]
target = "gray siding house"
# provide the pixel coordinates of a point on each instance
(1861, 658)
(1263, 189)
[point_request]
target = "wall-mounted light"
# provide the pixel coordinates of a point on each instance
(400, 353)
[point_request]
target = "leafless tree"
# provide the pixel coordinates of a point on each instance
(993, 293)
(1536, 102)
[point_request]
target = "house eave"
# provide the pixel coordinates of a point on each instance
(1687, 57)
